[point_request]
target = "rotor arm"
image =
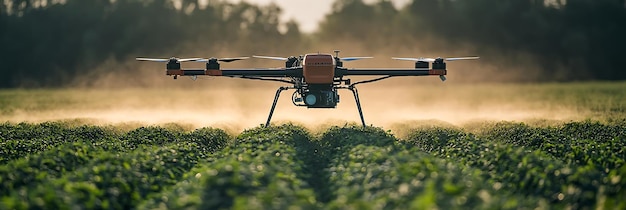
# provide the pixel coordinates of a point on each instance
(371, 80)
(292, 72)
(391, 72)
(265, 79)
(186, 72)
(276, 73)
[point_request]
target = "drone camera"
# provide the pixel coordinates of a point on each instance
(321, 99)
(310, 99)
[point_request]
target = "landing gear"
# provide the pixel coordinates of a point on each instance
(352, 88)
(280, 89)
(358, 102)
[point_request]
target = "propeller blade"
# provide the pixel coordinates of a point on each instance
(432, 59)
(462, 58)
(270, 57)
(188, 59)
(405, 59)
(415, 59)
(232, 59)
(221, 59)
(166, 59)
(353, 58)
(152, 59)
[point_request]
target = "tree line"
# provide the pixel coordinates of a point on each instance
(47, 43)
(566, 40)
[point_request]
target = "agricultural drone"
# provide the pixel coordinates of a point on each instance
(315, 77)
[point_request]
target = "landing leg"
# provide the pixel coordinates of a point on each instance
(267, 124)
(358, 103)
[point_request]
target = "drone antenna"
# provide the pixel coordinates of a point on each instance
(336, 53)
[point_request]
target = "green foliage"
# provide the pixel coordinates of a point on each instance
(208, 139)
(580, 143)
(612, 197)
(338, 140)
(261, 170)
(575, 165)
(72, 167)
(23, 139)
(149, 135)
(112, 180)
(547, 162)
(36, 169)
(386, 178)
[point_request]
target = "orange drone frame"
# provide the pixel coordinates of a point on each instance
(315, 77)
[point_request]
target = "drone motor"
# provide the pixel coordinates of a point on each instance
(212, 64)
(421, 64)
(173, 64)
(439, 64)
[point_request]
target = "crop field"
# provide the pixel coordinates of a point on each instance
(542, 146)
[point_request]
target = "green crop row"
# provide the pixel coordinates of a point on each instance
(521, 170)
(37, 168)
(261, 170)
(368, 169)
(17, 141)
(103, 173)
(118, 181)
(580, 143)
(20, 140)
(369, 177)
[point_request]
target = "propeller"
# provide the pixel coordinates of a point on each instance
(227, 60)
(346, 59)
(353, 58)
(167, 59)
(433, 59)
(270, 57)
(436, 64)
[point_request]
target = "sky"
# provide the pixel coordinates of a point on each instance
(308, 13)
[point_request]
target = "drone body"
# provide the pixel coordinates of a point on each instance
(316, 78)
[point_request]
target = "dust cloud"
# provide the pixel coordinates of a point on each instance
(139, 93)
(389, 104)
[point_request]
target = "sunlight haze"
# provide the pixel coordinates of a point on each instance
(307, 13)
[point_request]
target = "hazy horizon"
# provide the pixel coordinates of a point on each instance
(313, 12)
